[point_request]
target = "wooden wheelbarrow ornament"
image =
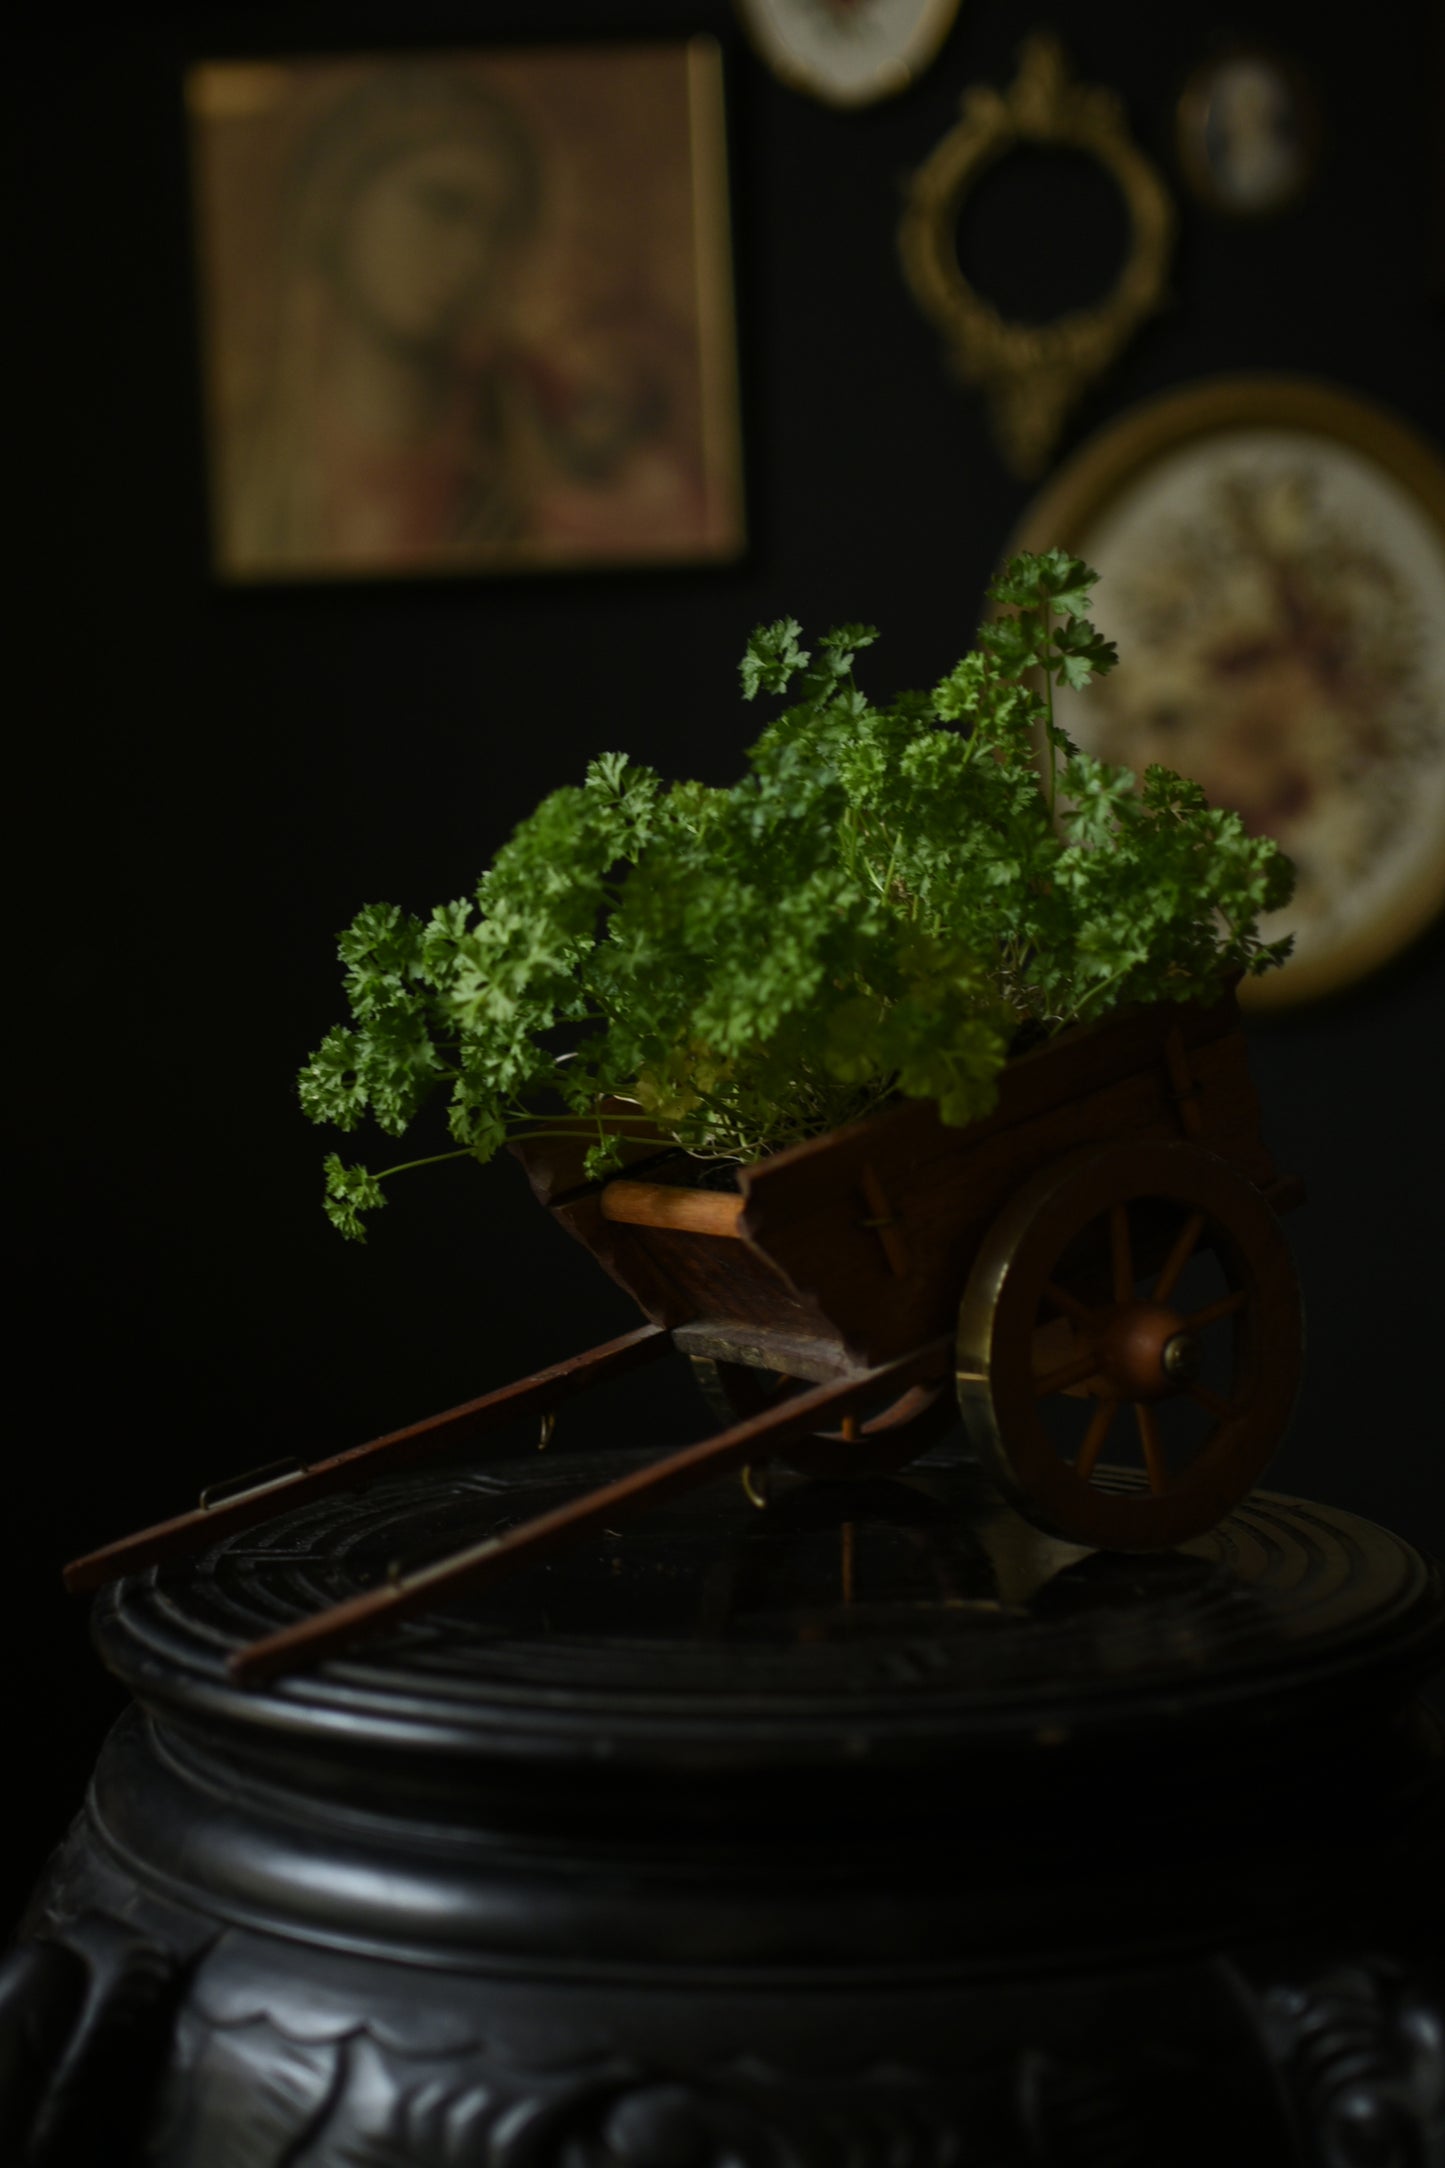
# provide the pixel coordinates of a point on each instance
(861, 1289)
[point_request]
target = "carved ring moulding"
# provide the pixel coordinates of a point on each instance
(1032, 374)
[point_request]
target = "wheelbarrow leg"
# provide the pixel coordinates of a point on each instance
(483, 1563)
(268, 1493)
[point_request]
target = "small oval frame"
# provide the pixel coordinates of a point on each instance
(1034, 373)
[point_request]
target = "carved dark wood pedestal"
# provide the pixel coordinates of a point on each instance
(870, 1831)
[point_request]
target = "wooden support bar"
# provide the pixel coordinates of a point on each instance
(664, 1204)
(884, 1221)
(1183, 1086)
(483, 1563)
(270, 1493)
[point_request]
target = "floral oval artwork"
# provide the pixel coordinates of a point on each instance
(1272, 566)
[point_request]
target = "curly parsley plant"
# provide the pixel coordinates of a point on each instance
(880, 905)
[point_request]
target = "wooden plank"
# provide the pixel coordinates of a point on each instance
(534, 1395)
(483, 1564)
(945, 1199)
(728, 1279)
(937, 1154)
(1073, 1067)
(624, 1254)
(675, 1278)
(787, 1354)
(667, 1204)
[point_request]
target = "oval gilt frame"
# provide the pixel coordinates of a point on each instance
(1033, 374)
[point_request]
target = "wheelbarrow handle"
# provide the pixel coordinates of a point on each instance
(257, 1497)
(483, 1563)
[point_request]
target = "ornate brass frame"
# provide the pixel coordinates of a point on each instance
(1033, 373)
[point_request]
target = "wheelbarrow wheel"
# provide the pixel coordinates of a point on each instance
(1135, 1305)
(884, 1439)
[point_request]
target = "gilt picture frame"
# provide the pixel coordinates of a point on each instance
(467, 312)
(1271, 553)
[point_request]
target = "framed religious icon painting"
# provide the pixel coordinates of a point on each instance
(847, 52)
(1271, 554)
(467, 312)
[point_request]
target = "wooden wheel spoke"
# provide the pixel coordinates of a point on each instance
(1153, 1447)
(1068, 1304)
(1212, 1401)
(1063, 1375)
(1122, 1251)
(1099, 1426)
(1185, 1245)
(1226, 1306)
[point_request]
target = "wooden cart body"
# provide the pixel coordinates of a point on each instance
(846, 1251)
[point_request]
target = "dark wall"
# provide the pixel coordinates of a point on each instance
(213, 780)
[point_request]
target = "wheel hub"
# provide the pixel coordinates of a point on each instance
(1146, 1351)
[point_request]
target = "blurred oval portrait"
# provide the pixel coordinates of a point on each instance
(1248, 133)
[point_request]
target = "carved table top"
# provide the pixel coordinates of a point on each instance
(889, 1623)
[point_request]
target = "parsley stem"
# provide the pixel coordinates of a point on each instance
(435, 1160)
(1102, 986)
(1049, 705)
(586, 1127)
